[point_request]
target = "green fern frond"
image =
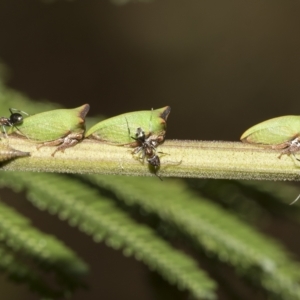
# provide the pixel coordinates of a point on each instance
(275, 198)
(282, 192)
(254, 201)
(95, 215)
(21, 244)
(230, 195)
(216, 231)
(18, 271)
(219, 233)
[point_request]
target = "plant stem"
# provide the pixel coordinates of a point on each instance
(180, 158)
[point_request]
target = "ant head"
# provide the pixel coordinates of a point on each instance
(16, 118)
(140, 134)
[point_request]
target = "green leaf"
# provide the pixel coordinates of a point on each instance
(98, 216)
(219, 233)
(26, 254)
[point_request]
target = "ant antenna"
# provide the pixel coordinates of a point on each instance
(129, 133)
(150, 121)
(295, 200)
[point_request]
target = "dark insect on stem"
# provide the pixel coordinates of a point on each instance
(147, 148)
(14, 119)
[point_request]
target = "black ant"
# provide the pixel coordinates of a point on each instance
(148, 144)
(15, 119)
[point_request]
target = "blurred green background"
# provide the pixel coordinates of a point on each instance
(221, 65)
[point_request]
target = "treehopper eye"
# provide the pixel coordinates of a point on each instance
(277, 133)
(61, 127)
(116, 130)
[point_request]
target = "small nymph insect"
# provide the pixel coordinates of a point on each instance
(147, 146)
(278, 133)
(15, 119)
(116, 130)
(63, 128)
